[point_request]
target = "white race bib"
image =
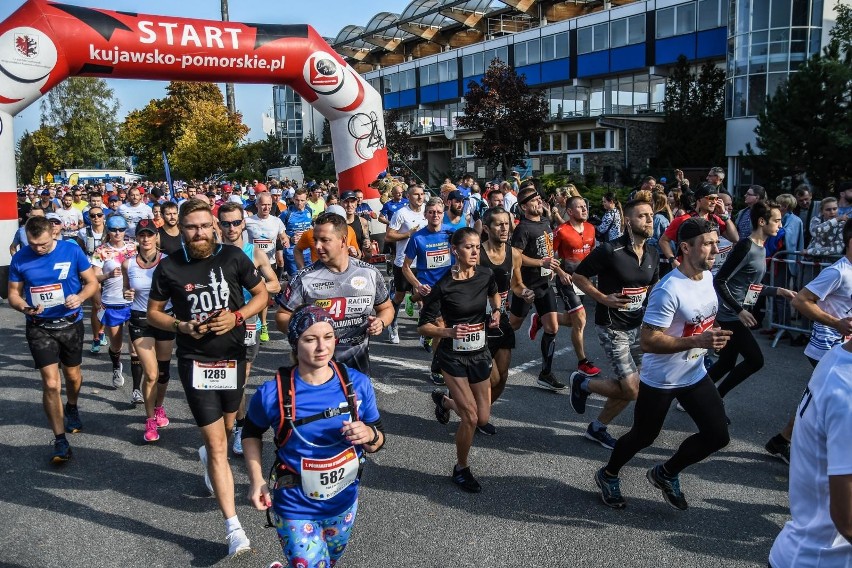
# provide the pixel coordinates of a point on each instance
(635, 298)
(473, 341)
(218, 375)
(251, 334)
(322, 479)
(752, 294)
(49, 296)
(439, 258)
(264, 245)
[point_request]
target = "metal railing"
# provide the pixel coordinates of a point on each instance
(792, 270)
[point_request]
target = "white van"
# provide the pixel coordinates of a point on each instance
(293, 173)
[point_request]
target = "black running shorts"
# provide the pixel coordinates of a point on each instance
(545, 303)
(400, 284)
(501, 338)
(53, 346)
(139, 328)
(475, 367)
(208, 406)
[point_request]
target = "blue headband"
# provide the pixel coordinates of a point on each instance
(303, 318)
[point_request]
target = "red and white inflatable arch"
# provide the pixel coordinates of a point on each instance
(43, 43)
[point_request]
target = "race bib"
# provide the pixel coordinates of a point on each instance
(691, 329)
(264, 245)
(49, 296)
(322, 479)
(251, 334)
(635, 299)
(752, 294)
(218, 375)
(439, 258)
(473, 341)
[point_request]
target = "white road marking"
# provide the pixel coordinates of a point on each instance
(523, 367)
(383, 388)
(421, 366)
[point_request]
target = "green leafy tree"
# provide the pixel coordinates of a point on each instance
(693, 133)
(313, 163)
(398, 135)
(507, 113)
(82, 113)
(255, 158)
(38, 154)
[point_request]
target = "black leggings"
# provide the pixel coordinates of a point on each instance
(703, 404)
(742, 342)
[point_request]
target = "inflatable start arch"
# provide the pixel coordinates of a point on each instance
(43, 43)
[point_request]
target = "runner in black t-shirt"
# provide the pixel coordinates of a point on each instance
(170, 241)
(532, 239)
(205, 282)
(460, 298)
(626, 268)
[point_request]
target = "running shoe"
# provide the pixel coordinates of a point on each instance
(118, 376)
(535, 325)
(151, 434)
(601, 436)
(464, 479)
(610, 490)
(102, 338)
(778, 447)
(437, 378)
(160, 415)
(488, 429)
(548, 381)
(237, 446)
(670, 486)
(136, 397)
(441, 413)
(238, 543)
(588, 368)
(61, 451)
(264, 333)
(393, 333)
(96, 347)
(426, 343)
(202, 455)
(275, 564)
(578, 395)
(409, 306)
(73, 424)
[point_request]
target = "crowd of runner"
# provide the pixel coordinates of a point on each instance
(677, 281)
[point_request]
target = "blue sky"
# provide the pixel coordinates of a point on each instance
(252, 100)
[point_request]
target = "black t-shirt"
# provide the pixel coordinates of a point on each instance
(535, 239)
(169, 244)
(502, 273)
(23, 212)
(619, 271)
(460, 301)
(199, 287)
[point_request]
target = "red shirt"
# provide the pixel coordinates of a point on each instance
(573, 246)
(671, 231)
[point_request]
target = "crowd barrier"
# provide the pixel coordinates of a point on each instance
(791, 270)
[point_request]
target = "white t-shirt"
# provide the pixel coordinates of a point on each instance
(72, 220)
(108, 258)
(264, 233)
(133, 214)
(684, 307)
(509, 200)
(833, 287)
(822, 447)
(403, 221)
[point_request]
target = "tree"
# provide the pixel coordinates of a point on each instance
(506, 112)
(693, 133)
(81, 111)
(207, 142)
(398, 136)
(255, 158)
(38, 154)
(312, 162)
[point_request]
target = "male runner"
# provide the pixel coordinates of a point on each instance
(677, 330)
(170, 241)
(626, 269)
(455, 216)
(49, 281)
(72, 218)
(265, 231)
(297, 219)
(405, 222)
(349, 200)
(205, 285)
(90, 239)
(346, 288)
(134, 211)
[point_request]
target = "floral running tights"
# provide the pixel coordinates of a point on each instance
(315, 543)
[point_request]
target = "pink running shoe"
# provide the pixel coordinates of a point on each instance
(151, 434)
(160, 416)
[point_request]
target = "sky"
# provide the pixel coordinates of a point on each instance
(252, 100)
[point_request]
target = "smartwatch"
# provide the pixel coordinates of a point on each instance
(239, 319)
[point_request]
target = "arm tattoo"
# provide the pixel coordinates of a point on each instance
(651, 327)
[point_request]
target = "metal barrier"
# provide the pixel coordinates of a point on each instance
(791, 270)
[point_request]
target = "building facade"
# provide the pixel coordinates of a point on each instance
(293, 120)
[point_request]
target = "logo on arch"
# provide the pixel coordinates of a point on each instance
(26, 45)
(323, 74)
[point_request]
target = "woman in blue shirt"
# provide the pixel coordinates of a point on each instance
(313, 487)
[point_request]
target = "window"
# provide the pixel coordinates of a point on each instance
(677, 20)
(401, 81)
(602, 139)
(527, 52)
(428, 75)
(464, 149)
(710, 14)
(627, 31)
(593, 38)
(476, 63)
(554, 47)
(448, 71)
(551, 143)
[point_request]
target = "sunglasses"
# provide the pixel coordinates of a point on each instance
(229, 224)
(56, 222)
(116, 230)
(95, 215)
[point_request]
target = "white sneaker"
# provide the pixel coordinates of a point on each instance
(238, 543)
(202, 454)
(136, 397)
(118, 376)
(393, 333)
(238, 441)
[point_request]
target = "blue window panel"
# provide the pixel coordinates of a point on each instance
(596, 63)
(391, 100)
(670, 48)
(532, 72)
(627, 57)
(467, 80)
(712, 43)
(408, 98)
(429, 94)
(556, 70)
(448, 90)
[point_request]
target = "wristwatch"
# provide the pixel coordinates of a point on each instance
(239, 319)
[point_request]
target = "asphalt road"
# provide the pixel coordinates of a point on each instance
(121, 502)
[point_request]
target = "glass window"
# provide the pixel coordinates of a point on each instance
(739, 97)
(780, 14)
(636, 29)
(427, 75)
(585, 42)
(665, 23)
(548, 48)
(467, 66)
(759, 15)
(601, 34)
(756, 94)
(599, 139)
(572, 141)
(710, 14)
(561, 45)
(520, 54)
(773, 81)
(556, 142)
(533, 52)
(448, 71)
(685, 18)
(800, 12)
(618, 32)
(586, 140)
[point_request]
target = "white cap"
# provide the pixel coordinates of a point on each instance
(235, 199)
(337, 210)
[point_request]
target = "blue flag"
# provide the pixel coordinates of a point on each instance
(168, 174)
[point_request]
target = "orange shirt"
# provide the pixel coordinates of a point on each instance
(573, 246)
(307, 242)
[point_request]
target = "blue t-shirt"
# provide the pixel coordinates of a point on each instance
(391, 207)
(50, 277)
(20, 238)
(431, 253)
(263, 411)
(296, 223)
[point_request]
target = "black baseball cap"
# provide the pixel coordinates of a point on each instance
(146, 226)
(694, 227)
(706, 189)
(348, 194)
